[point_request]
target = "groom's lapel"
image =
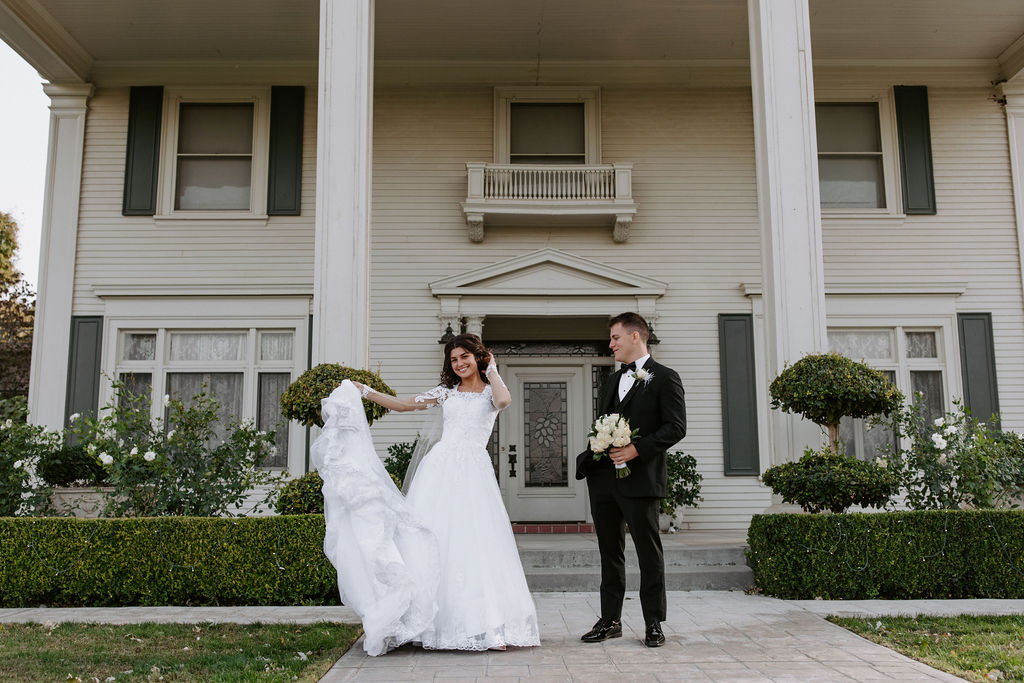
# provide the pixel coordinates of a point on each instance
(635, 389)
(608, 400)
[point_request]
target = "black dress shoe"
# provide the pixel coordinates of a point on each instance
(654, 637)
(603, 630)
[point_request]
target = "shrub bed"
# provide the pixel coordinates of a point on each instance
(893, 555)
(165, 561)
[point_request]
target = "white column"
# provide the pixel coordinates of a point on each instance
(1014, 93)
(341, 302)
(63, 181)
(475, 325)
(787, 187)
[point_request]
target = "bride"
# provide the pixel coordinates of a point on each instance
(439, 567)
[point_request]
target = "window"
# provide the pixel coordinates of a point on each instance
(546, 125)
(858, 170)
(246, 370)
(912, 358)
(215, 151)
(850, 155)
(547, 133)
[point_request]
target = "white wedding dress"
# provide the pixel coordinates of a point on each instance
(439, 567)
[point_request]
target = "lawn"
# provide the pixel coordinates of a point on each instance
(976, 648)
(171, 652)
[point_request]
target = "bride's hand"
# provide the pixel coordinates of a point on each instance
(492, 365)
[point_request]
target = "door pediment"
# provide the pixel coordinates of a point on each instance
(548, 273)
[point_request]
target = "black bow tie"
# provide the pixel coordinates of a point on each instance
(629, 366)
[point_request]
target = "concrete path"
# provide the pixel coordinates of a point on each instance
(712, 636)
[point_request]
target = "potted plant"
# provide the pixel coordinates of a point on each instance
(683, 489)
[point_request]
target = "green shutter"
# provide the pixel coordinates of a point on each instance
(915, 149)
(142, 159)
(284, 181)
(83, 392)
(739, 393)
(978, 364)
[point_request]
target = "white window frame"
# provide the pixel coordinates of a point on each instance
(249, 315)
(173, 99)
(889, 135)
(590, 96)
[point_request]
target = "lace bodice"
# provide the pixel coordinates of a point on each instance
(468, 417)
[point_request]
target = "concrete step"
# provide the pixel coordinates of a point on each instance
(585, 579)
(688, 556)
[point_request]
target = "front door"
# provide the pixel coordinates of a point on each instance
(539, 436)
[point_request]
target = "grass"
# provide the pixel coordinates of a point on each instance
(976, 648)
(171, 652)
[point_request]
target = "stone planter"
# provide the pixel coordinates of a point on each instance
(80, 501)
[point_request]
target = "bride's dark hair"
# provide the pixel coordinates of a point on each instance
(475, 346)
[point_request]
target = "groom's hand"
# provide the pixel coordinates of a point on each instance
(623, 455)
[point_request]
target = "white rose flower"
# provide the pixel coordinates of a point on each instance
(150, 456)
(106, 459)
(134, 451)
(950, 430)
(881, 462)
(74, 416)
(8, 423)
(939, 442)
(940, 421)
(167, 400)
(18, 464)
(942, 459)
(170, 433)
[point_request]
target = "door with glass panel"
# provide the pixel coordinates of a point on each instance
(539, 436)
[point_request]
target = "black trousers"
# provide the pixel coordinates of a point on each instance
(612, 512)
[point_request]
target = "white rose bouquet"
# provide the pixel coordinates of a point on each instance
(611, 430)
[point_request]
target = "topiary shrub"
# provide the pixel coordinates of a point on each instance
(71, 464)
(826, 480)
(301, 400)
(302, 496)
(826, 387)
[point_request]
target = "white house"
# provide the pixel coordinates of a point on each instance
(239, 189)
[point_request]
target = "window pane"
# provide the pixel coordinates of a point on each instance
(867, 444)
(139, 347)
(271, 386)
(215, 128)
(138, 389)
(858, 344)
(921, 345)
(226, 387)
(848, 127)
(276, 345)
(546, 415)
(929, 384)
(547, 129)
(213, 183)
(217, 346)
(851, 182)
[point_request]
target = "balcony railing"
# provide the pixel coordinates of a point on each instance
(535, 193)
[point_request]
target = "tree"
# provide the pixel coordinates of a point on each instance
(17, 315)
(826, 387)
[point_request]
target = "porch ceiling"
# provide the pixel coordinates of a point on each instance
(84, 33)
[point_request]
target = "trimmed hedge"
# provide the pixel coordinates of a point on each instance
(165, 561)
(892, 555)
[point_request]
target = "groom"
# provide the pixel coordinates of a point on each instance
(652, 401)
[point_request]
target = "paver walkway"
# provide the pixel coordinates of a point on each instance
(712, 636)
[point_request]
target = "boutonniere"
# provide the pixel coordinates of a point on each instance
(641, 375)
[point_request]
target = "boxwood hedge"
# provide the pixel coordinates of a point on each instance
(895, 555)
(165, 561)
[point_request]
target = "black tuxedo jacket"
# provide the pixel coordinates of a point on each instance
(657, 409)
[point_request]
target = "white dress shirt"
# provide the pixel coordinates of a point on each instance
(626, 379)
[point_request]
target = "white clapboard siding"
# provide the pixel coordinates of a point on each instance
(126, 251)
(696, 230)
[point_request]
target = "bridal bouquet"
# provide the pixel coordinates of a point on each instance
(611, 430)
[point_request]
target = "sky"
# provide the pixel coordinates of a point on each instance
(24, 128)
